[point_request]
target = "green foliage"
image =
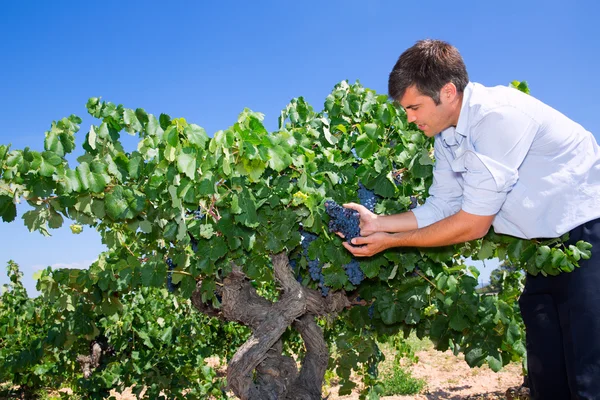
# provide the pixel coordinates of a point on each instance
(254, 189)
(399, 381)
(520, 85)
(160, 343)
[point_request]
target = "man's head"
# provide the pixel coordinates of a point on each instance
(428, 81)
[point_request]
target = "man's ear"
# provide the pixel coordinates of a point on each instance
(448, 91)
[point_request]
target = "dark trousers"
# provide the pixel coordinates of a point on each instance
(562, 324)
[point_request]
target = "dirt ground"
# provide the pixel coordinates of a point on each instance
(447, 378)
(450, 378)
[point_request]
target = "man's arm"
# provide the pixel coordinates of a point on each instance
(458, 228)
(402, 222)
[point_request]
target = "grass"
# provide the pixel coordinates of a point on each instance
(394, 375)
(399, 381)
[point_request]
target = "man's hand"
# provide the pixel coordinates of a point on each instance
(368, 220)
(369, 245)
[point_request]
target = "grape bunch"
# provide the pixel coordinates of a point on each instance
(197, 214)
(355, 274)
(324, 289)
(413, 203)
(343, 220)
(170, 285)
(307, 239)
(315, 268)
(371, 311)
(294, 265)
(367, 197)
(194, 244)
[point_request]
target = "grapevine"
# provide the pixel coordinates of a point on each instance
(238, 225)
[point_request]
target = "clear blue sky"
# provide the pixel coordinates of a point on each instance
(206, 61)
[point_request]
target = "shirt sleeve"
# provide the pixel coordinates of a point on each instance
(445, 193)
(501, 141)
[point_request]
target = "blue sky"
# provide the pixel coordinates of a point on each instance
(206, 62)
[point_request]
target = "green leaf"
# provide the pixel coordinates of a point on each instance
(196, 135)
(3, 152)
(487, 250)
(495, 361)
(92, 138)
(186, 162)
(279, 158)
(583, 249)
(247, 206)
(153, 127)
(542, 256)
(458, 321)
(216, 248)
(154, 273)
(167, 335)
(146, 226)
(371, 130)
(124, 203)
(171, 136)
(383, 187)
(365, 146)
(8, 210)
(389, 309)
(558, 261)
(334, 276)
(131, 121)
(36, 220)
(474, 356)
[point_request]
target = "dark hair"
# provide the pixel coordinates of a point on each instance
(429, 65)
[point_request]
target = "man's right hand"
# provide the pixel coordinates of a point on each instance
(368, 219)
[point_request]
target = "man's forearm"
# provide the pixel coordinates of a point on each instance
(458, 228)
(397, 223)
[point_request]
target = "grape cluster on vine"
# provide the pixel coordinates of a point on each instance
(315, 267)
(170, 285)
(367, 197)
(413, 203)
(371, 311)
(355, 274)
(343, 220)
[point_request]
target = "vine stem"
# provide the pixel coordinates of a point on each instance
(431, 283)
(180, 272)
(7, 188)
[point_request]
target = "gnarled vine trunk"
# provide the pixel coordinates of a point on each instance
(259, 370)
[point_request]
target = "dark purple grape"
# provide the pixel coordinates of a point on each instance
(367, 197)
(343, 220)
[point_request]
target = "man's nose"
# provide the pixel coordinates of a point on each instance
(411, 117)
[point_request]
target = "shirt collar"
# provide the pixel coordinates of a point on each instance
(463, 118)
(454, 135)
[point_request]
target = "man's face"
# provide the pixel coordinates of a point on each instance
(431, 118)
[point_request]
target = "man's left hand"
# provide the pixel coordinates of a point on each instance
(369, 245)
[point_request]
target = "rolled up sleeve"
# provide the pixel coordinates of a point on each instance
(500, 143)
(487, 183)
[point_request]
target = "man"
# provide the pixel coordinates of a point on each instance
(505, 159)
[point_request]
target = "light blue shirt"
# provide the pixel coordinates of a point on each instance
(517, 158)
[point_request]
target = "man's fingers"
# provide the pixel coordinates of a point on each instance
(340, 234)
(353, 206)
(360, 240)
(356, 251)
